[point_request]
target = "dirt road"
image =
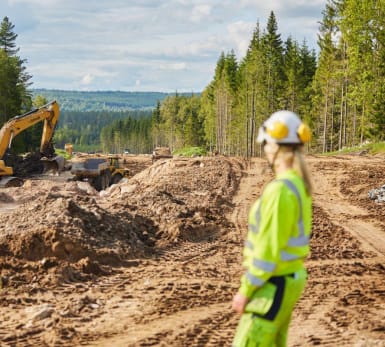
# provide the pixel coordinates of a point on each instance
(156, 261)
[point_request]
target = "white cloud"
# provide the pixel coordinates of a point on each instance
(165, 45)
(196, 49)
(42, 3)
(200, 12)
(240, 33)
(279, 4)
(172, 66)
(87, 79)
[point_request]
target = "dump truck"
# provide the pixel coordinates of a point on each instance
(99, 172)
(49, 114)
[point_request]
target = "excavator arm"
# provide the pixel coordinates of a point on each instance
(48, 113)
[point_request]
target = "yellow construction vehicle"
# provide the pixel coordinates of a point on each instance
(161, 153)
(99, 172)
(49, 114)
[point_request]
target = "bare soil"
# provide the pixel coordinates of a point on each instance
(156, 259)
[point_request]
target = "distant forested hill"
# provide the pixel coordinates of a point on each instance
(85, 116)
(102, 100)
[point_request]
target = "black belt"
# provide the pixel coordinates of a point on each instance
(276, 278)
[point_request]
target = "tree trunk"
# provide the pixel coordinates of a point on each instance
(325, 122)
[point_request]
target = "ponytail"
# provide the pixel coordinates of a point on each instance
(300, 165)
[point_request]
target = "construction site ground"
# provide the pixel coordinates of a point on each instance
(156, 259)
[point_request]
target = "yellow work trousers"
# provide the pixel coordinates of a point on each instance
(266, 320)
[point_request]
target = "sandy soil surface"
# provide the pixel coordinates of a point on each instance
(156, 259)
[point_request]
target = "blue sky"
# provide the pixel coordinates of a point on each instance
(144, 45)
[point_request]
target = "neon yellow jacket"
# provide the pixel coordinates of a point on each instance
(279, 232)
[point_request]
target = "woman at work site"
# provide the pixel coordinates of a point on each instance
(278, 238)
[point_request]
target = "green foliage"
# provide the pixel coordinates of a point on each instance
(369, 147)
(15, 98)
(177, 122)
(97, 101)
(242, 95)
(340, 93)
(273, 53)
(348, 95)
(83, 129)
(8, 37)
(10, 89)
(128, 133)
(190, 152)
(39, 101)
(62, 153)
(377, 147)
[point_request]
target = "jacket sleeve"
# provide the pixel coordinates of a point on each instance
(265, 241)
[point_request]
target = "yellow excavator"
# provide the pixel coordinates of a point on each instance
(48, 113)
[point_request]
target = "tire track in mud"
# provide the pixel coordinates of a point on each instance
(191, 308)
(216, 323)
(203, 285)
(181, 295)
(249, 190)
(347, 204)
(180, 281)
(191, 285)
(321, 317)
(343, 299)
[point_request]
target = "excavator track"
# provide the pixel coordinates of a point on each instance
(11, 181)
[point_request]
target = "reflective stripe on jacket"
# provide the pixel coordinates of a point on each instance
(279, 232)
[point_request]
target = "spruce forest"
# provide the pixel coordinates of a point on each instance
(338, 90)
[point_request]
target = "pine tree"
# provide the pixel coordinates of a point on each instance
(377, 119)
(8, 37)
(169, 115)
(252, 100)
(292, 69)
(273, 49)
(220, 95)
(362, 26)
(377, 131)
(15, 98)
(324, 85)
(10, 98)
(158, 139)
(308, 67)
(208, 117)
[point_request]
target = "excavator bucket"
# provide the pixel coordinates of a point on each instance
(53, 165)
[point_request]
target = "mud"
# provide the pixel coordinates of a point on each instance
(156, 259)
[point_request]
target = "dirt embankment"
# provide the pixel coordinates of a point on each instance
(155, 261)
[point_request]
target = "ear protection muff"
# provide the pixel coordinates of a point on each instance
(277, 130)
(304, 133)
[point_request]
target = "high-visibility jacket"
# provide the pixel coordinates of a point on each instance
(279, 232)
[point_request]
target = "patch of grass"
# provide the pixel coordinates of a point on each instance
(62, 153)
(371, 148)
(378, 147)
(190, 152)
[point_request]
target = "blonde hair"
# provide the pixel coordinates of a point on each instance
(293, 155)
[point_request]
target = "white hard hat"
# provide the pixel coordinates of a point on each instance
(284, 127)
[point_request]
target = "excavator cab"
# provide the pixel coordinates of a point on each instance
(7, 180)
